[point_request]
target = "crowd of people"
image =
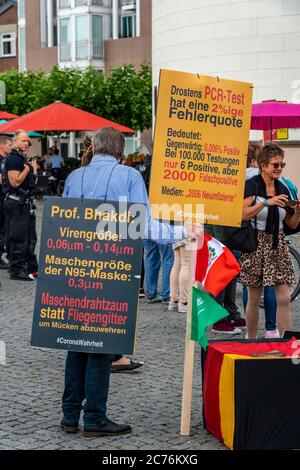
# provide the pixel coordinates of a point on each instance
(106, 175)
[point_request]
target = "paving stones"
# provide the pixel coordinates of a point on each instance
(31, 383)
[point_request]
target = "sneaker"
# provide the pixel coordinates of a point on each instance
(3, 265)
(239, 323)
(155, 300)
(21, 276)
(225, 327)
(33, 276)
(141, 293)
(272, 334)
(166, 301)
(182, 308)
(173, 305)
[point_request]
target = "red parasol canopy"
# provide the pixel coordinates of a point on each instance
(6, 115)
(59, 116)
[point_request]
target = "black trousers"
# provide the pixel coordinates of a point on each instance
(21, 237)
(2, 225)
(56, 172)
(227, 298)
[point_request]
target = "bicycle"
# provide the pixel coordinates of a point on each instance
(295, 255)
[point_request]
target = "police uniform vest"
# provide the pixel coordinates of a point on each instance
(16, 161)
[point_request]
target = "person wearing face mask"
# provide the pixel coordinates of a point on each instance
(265, 204)
(19, 179)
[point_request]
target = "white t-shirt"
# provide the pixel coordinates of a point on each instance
(261, 218)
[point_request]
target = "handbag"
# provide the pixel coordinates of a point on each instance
(241, 238)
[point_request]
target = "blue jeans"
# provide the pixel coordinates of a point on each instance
(157, 256)
(86, 377)
(270, 305)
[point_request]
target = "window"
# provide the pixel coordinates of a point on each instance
(79, 3)
(55, 34)
(8, 45)
(82, 31)
(55, 23)
(65, 45)
(128, 26)
(97, 37)
(64, 4)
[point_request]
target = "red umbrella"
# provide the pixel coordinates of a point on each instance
(270, 115)
(59, 116)
(5, 115)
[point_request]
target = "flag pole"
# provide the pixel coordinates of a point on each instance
(187, 392)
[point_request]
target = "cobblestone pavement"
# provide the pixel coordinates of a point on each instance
(31, 383)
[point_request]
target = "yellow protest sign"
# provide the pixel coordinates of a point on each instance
(200, 148)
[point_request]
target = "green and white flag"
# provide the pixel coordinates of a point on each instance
(205, 312)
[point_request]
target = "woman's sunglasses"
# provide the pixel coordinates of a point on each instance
(278, 165)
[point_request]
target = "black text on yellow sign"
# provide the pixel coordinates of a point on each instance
(200, 148)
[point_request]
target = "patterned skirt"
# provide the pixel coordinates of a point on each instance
(266, 266)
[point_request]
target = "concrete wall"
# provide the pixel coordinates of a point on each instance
(256, 41)
(131, 50)
(292, 159)
(36, 56)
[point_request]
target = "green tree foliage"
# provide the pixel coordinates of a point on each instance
(124, 96)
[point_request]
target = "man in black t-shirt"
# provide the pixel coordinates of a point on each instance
(19, 177)
(5, 149)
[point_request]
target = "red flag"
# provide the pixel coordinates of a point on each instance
(216, 266)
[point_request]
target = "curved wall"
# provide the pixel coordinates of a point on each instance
(257, 41)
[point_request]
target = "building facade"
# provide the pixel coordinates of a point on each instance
(256, 41)
(131, 41)
(8, 35)
(83, 33)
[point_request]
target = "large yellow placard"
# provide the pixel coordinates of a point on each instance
(200, 148)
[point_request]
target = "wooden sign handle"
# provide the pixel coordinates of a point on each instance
(189, 354)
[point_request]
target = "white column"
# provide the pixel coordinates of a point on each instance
(72, 145)
(138, 17)
(50, 141)
(43, 22)
(115, 12)
(50, 22)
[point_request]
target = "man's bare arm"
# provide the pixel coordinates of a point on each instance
(16, 178)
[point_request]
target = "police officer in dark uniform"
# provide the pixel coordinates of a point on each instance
(5, 149)
(19, 178)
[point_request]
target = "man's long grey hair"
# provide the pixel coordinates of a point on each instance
(109, 141)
